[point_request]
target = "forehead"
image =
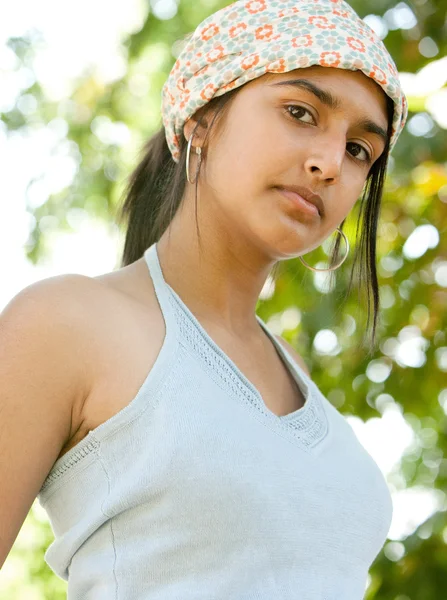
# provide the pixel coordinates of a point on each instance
(344, 84)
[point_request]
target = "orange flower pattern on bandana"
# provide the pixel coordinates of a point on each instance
(249, 38)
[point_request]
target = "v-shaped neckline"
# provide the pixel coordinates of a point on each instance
(309, 422)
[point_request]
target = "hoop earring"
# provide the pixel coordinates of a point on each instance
(335, 266)
(188, 153)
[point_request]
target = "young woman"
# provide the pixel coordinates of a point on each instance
(181, 450)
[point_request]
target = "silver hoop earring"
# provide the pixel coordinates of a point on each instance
(335, 266)
(199, 162)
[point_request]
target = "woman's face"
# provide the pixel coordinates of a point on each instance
(312, 134)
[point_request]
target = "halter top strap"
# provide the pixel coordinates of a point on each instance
(162, 290)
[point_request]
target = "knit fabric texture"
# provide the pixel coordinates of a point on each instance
(197, 491)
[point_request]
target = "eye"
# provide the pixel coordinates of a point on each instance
(358, 149)
(300, 110)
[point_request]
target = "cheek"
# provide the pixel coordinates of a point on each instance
(349, 191)
(242, 159)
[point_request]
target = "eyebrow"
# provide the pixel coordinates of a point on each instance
(331, 101)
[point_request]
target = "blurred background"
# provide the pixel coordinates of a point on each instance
(80, 86)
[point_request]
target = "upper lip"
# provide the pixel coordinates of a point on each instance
(307, 194)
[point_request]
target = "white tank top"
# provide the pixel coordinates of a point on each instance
(197, 491)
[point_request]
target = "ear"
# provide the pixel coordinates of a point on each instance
(196, 125)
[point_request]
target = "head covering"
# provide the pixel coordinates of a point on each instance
(247, 39)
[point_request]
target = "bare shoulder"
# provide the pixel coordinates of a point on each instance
(45, 369)
(62, 308)
(57, 297)
(294, 354)
(64, 299)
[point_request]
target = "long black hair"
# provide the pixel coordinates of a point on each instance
(156, 186)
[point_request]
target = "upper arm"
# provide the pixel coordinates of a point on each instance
(42, 375)
(294, 354)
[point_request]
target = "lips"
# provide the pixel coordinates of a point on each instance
(307, 195)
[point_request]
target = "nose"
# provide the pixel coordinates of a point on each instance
(325, 160)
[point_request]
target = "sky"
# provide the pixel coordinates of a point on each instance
(69, 44)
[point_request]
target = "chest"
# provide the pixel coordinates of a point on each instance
(198, 477)
(129, 342)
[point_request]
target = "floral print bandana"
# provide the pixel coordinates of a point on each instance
(247, 39)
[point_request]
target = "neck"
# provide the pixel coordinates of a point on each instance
(219, 277)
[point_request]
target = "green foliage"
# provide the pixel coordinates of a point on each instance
(414, 300)
(25, 575)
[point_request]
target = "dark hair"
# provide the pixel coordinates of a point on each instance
(156, 186)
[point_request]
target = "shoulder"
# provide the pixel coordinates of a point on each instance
(58, 298)
(47, 361)
(55, 296)
(294, 354)
(65, 319)
(58, 310)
